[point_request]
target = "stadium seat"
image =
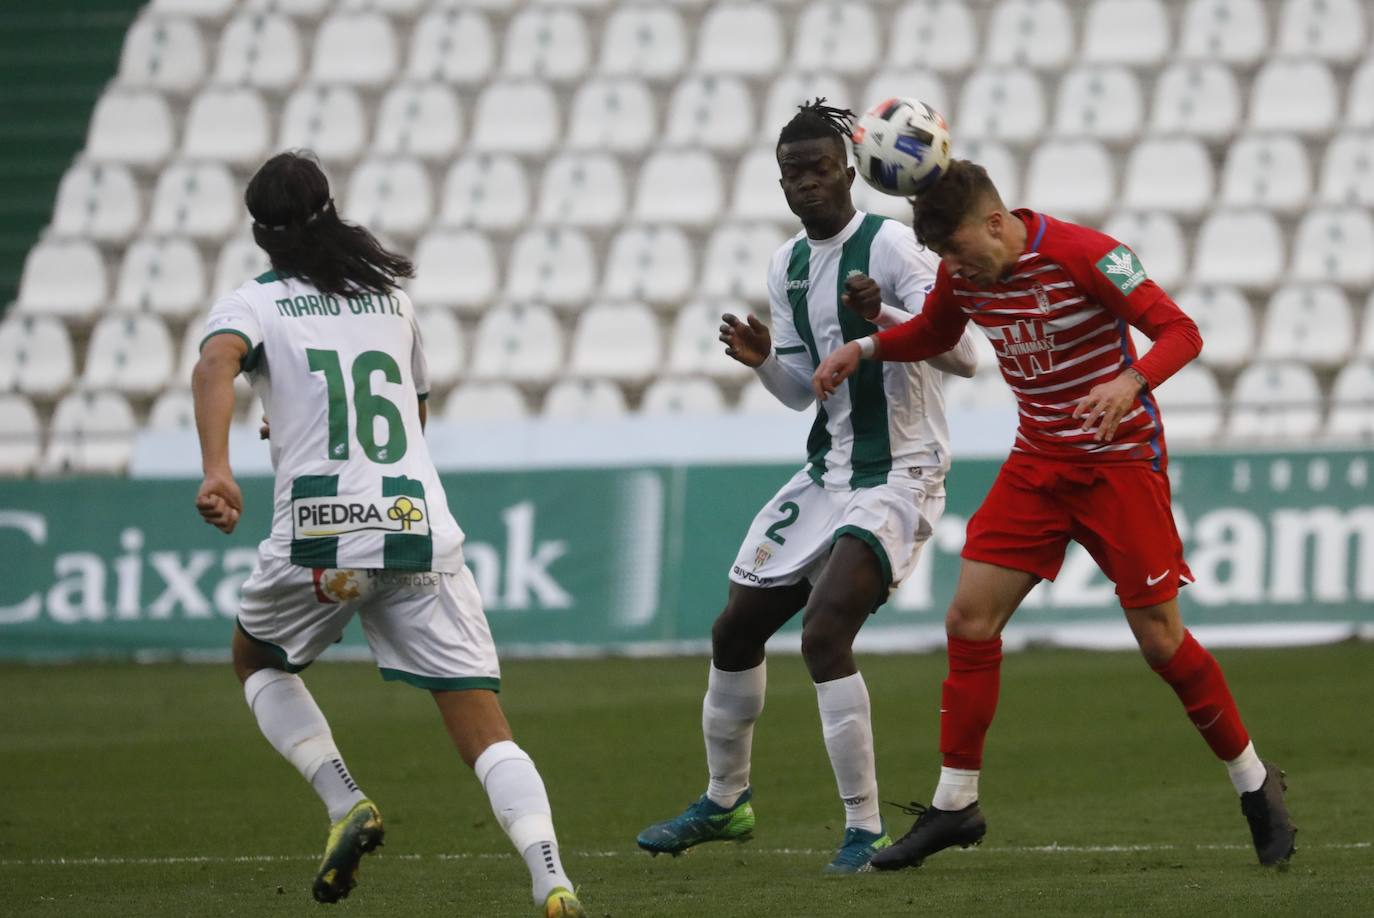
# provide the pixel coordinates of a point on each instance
(694, 347)
(1294, 96)
(758, 196)
(841, 36)
(1031, 33)
(547, 43)
(174, 409)
(939, 34)
(355, 49)
(1200, 99)
(455, 269)
(740, 39)
(299, 9)
(1130, 32)
(584, 398)
(1334, 244)
(400, 8)
(582, 189)
(516, 118)
(97, 201)
(1190, 405)
(91, 432)
(490, 401)
(649, 42)
(204, 9)
(1240, 247)
(1366, 346)
(229, 125)
(1173, 174)
(200, 200)
(736, 261)
(518, 344)
(1276, 402)
(1226, 322)
(870, 200)
(1308, 322)
(391, 196)
(679, 187)
(794, 89)
(20, 443)
(130, 127)
(755, 401)
(240, 260)
(613, 115)
(452, 45)
(328, 120)
(35, 355)
(130, 353)
(1003, 103)
(1359, 105)
(1333, 30)
(1269, 170)
(1157, 239)
(983, 391)
(712, 112)
(63, 277)
(1352, 403)
(1002, 166)
(554, 265)
(487, 192)
(616, 341)
(694, 396)
(652, 264)
(261, 50)
(162, 53)
(1072, 178)
(419, 119)
(1348, 171)
(926, 85)
(443, 342)
(1099, 102)
(164, 276)
(1232, 32)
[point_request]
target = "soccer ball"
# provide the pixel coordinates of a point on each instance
(901, 146)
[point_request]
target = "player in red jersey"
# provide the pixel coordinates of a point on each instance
(1088, 464)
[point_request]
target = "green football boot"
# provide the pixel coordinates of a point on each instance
(349, 839)
(561, 903)
(856, 850)
(703, 821)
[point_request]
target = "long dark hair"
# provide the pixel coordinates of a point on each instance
(296, 224)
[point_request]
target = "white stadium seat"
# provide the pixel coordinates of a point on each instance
(926, 85)
(1071, 177)
(613, 115)
(939, 34)
(554, 265)
(400, 8)
(1100, 102)
(1352, 403)
(1308, 322)
(743, 39)
(736, 261)
(1359, 104)
(164, 276)
(1333, 30)
(547, 43)
(1294, 96)
(452, 45)
(261, 50)
(616, 341)
(327, 120)
(487, 192)
(694, 348)
(455, 269)
(516, 118)
(129, 353)
(1003, 167)
(518, 344)
(63, 278)
(130, 127)
(1348, 170)
(1228, 31)
(419, 119)
(300, 9)
(872, 201)
(836, 35)
(584, 398)
(1334, 244)
(1130, 32)
(355, 50)
(755, 401)
(676, 397)
(230, 125)
(1267, 170)
(1200, 98)
(1239, 247)
(652, 264)
(1158, 241)
(983, 391)
(1190, 406)
(583, 189)
(390, 196)
(758, 196)
(90, 432)
(240, 260)
(1366, 347)
(162, 53)
(712, 112)
(649, 42)
(1226, 322)
(1277, 402)
(679, 187)
(1032, 33)
(20, 445)
(1169, 173)
(442, 337)
(205, 9)
(98, 201)
(35, 355)
(1002, 103)
(794, 89)
(200, 200)
(174, 409)
(490, 401)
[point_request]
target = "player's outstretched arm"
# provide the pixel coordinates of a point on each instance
(219, 500)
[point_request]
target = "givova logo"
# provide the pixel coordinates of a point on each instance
(316, 517)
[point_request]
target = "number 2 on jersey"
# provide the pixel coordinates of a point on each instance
(367, 405)
(790, 512)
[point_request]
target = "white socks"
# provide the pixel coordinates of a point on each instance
(958, 788)
(522, 807)
(1246, 770)
(733, 702)
(847, 725)
(293, 724)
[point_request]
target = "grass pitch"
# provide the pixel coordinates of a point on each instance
(146, 790)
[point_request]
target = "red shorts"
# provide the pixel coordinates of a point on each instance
(1120, 513)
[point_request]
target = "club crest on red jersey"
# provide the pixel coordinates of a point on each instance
(1028, 346)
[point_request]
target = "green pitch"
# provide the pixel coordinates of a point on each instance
(146, 790)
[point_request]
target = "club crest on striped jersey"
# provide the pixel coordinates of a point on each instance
(1029, 346)
(1121, 267)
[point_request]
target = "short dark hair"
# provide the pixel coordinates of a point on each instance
(817, 121)
(950, 201)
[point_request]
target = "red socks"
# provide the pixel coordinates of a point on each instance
(969, 700)
(1196, 678)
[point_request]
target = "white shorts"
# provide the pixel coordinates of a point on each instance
(790, 539)
(424, 628)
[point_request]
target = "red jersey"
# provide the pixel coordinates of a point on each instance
(1058, 323)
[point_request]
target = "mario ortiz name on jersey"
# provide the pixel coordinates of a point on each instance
(328, 304)
(319, 517)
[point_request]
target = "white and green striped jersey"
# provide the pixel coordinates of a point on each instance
(341, 380)
(887, 418)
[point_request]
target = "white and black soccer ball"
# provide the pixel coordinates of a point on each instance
(901, 146)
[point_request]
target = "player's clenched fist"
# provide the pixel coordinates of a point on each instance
(838, 366)
(861, 294)
(748, 342)
(220, 502)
